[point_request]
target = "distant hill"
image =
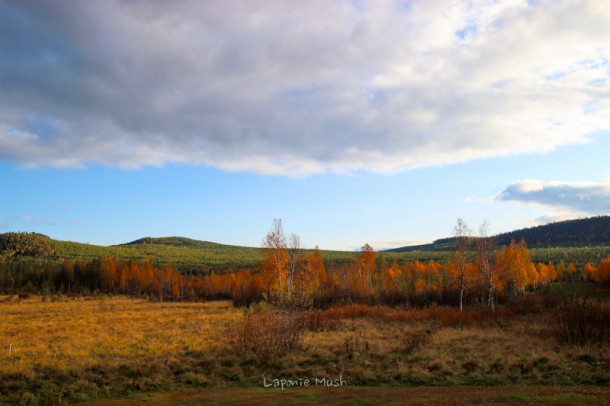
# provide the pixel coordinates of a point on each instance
(572, 233)
(175, 242)
(593, 231)
(193, 256)
(16, 245)
(185, 254)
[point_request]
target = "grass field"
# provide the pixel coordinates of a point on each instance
(105, 346)
(79, 349)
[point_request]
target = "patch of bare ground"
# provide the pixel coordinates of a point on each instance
(375, 396)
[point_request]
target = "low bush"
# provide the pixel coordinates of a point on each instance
(267, 331)
(581, 321)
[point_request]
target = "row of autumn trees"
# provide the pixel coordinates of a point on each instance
(477, 271)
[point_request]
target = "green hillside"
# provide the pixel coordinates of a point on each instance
(192, 255)
(174, 242)
(578, 241)
(187, 255)
(571, 233)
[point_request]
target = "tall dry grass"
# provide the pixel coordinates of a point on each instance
(92, 347)
(82, 348)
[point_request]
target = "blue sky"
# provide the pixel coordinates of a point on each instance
(379, 122)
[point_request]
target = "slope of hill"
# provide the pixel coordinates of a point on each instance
(570, 233)
(192, 255)
(593, 231)
(15, 245)
(185, 254)
(174, 242)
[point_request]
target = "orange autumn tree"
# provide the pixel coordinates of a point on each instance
(367, 265)
(589, 270)
(602, 272)
(275, 265)
(515, 268)
(391, 284)
(316, 271)
(246, 288)
(365, 268)
(546, 273)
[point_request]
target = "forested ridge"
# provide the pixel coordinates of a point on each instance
(593, 231)
(579, 241)
(570, 233)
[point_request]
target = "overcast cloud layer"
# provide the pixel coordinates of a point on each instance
(297, 88)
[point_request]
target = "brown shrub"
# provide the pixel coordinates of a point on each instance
(581, 321)
(267, 331)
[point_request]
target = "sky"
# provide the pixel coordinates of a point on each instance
(355, 122)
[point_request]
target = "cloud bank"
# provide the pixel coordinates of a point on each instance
(298, 88)
(566, 199)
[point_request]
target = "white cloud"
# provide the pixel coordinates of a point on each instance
(564, 199)
(80, 223)
(299, 88)
(385, 245)
(36, 220)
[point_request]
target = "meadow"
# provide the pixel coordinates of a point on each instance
(59, 349)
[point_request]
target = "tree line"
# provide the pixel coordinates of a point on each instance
(477, 271)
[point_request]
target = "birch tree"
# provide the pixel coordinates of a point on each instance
(459, 259)
(485, 261)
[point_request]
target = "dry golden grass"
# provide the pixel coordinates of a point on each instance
(104, 340)
(520, 351)
(80, 332)
(86, 348)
